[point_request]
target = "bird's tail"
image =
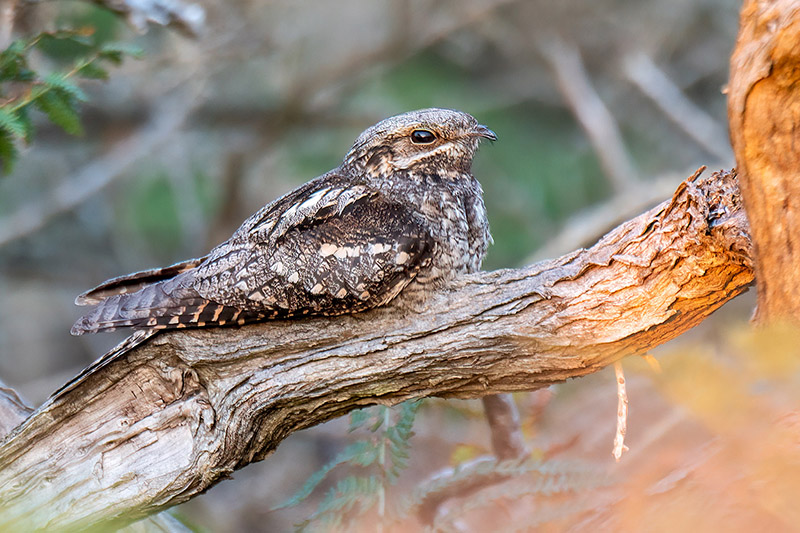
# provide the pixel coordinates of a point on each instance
(168, 304)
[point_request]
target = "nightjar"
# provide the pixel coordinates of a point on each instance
(401, 216)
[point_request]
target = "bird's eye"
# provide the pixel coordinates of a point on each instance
(422, 137)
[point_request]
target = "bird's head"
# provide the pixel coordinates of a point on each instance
(426, 141)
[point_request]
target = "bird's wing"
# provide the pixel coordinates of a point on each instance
(323, 249)
(329, 250)
(134, 282)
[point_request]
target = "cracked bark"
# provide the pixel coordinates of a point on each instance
(763, 111)
(172, 417)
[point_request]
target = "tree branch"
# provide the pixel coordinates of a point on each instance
(172, 417)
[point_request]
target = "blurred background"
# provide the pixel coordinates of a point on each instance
(601, 109)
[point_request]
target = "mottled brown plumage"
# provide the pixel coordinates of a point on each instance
(400, 216)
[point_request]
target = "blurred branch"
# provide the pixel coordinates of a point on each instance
(8, 11)
(13, 410)
(89, 180)
(170, 418)
(463, 480)
(343, 75)
(586, 227)
(699, 125)
(186, 17)
(503, 418)
(564, 59)
(456, 482)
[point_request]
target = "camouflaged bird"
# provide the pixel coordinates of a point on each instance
(401, 216)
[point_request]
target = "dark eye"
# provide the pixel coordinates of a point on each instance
(422, 137)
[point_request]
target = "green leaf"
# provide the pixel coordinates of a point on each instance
(361, 452)
(60, 110)
(14, 64)
(59, 81)
(25, 119)
(116, 52)
(357, 419)
(348, 493)
(380, 412)
(10, 122)
(8, 152)
(91, 70)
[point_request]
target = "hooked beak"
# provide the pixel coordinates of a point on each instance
(482, 131)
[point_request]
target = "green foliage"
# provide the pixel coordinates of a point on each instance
(384, 449)
(353, 495)
(55, 94)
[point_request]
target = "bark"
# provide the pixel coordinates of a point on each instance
(174, 416)
(764, 117)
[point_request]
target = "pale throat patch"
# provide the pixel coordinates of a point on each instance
(404, 163)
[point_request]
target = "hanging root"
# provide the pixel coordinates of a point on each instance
(622, 413)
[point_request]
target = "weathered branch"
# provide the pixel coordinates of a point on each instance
(763, 110)
(172, 417)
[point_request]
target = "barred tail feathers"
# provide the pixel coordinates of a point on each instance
(163, 305)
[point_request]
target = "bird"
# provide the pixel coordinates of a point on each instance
(399, 218)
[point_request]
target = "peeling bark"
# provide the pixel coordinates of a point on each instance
(170, 418)
(764, 116)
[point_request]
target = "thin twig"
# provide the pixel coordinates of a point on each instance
(640, 70)
(564, 59)
(587, 226)
(622, 413)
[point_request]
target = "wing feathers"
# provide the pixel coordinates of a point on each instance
(325, 249)
(133, 282)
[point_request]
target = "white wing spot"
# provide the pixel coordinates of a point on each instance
(342, 293)
(256, 296)
(242, 286)
(316, 289)
(348, 251)
(313, 199)
(278, 268)
(289, 212)
(294, 278)
(364, 295)
(328, 249)
(401, 258)
(379, 248)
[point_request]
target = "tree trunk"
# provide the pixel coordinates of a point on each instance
(764, 117)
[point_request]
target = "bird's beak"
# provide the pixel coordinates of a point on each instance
(482, 131)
